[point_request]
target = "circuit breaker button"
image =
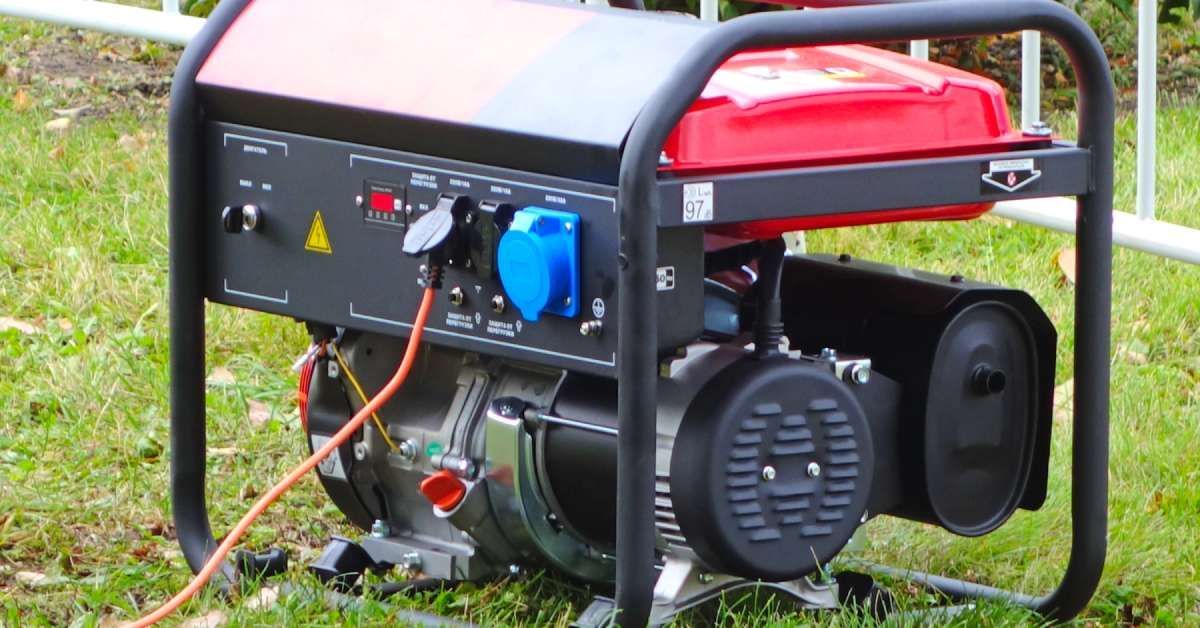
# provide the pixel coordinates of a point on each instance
(444, 490)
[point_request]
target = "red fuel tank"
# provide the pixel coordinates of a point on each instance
(829, 105)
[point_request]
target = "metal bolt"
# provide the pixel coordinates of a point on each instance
(498, 304)
(423, 269)
(567, 227)
(814, 470)
(704, 577)
(768, 473)
(332, 370)
(860, 374)
(828, 354)
(381, 529)
(251, 218)
(514, 570)
(408, 449)
(845, 258)
(358, 201)
(408, 210)
(591, 328)
(1039, 129)
(469, 218)
(360, 451)
(457, 296)
(567, 302)
(464, 467)
(664, 160)
(410, 561)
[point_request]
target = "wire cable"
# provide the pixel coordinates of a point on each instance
(345, 367)
(218, 557)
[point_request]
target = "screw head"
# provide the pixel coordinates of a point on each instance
(358, 201)
(768, 473)
(410, 561)
(457, 296)
(381, 529)
(591, 328)
(567, 227)
(408, 449)
(498, 304)
(360, 451)
(860, 374)
(1039, 129)
(704, 577)
(814, 470)
(514, 570)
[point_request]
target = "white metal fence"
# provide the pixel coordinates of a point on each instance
(1139, 230)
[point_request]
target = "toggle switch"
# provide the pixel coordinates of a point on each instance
(236, 219)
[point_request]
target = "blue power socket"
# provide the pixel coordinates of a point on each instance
(538, 261)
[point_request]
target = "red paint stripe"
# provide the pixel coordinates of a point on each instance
(441, 59)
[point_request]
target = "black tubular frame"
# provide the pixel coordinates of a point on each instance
(186, 234)
(640, 215)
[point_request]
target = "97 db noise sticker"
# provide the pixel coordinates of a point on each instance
(699, 202)
(1010, 175)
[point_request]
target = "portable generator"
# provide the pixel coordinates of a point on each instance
(626, 376)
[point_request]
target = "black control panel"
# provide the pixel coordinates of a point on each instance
(313, 229)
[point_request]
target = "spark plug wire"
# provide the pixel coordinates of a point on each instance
(218, 557)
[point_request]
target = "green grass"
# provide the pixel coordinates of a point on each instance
(83, 410)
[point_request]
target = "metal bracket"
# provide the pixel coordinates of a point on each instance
(683, 585)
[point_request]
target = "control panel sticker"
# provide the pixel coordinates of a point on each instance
(1010, 175)
(666, 278)
(318, 237)
(699, 202)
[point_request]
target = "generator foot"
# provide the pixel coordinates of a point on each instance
(862, 591)
(683, 585)
(599, 614)
(342, 565)
(262, 565)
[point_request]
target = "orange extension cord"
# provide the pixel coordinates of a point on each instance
(218, 557)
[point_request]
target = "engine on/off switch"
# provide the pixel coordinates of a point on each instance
(538, 259)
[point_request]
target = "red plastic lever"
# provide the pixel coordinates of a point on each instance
(444, 490)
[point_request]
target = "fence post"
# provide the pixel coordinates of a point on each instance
(1147, 106)
(1031, 78)
(919, 49)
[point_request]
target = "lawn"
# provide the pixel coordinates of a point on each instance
(85, 532)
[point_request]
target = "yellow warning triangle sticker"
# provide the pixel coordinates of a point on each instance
(318, 238)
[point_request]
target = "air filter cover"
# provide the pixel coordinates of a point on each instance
(977, 458)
